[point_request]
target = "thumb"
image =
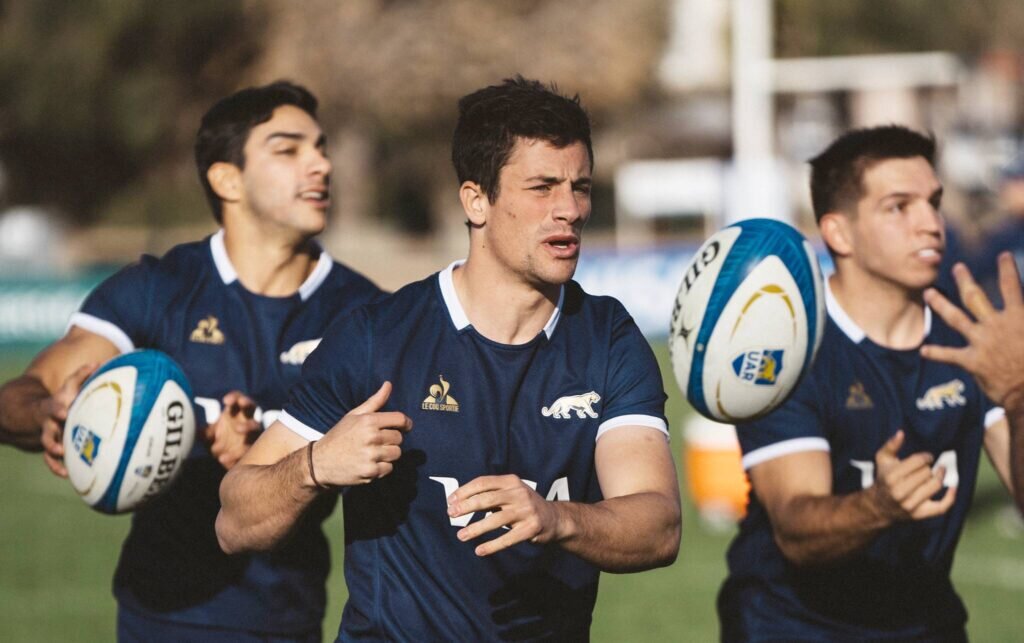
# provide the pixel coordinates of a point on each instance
(375, 401)
(80, 374)
(891, 448)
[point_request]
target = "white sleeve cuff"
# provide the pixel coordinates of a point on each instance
(786, 447)
(648, 421)
(298, 427)
(104, 329)
(995, 414)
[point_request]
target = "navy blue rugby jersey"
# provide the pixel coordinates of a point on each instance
(191, 305)
(478, 408)
(856, 397)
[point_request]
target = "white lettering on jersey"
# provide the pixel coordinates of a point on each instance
(212, 408)
(581, 404)
(943, 396)
(298, 353)
(559, 491)
(946, 459)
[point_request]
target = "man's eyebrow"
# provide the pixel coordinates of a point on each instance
(554, 179)
(293, 136)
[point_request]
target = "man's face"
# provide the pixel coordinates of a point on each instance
(535, 226)
(898, 233)
(286, 179)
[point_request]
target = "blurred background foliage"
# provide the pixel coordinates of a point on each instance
(100, 98)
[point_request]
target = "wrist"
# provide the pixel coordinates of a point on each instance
(311, 479)
(1013, 403)
(880, 507)
(565, 524)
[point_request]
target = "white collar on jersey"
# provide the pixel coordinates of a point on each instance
(850, 327)
(458, 313)
(228, 274)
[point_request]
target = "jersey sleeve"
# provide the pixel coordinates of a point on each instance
(333, 380)
(119, 308)
(635, 393)
(794, 427)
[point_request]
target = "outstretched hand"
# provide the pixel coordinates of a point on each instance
(903, 489)
(995, 338)
(51, 414)
(363, 446)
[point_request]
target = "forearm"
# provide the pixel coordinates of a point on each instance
(260, 504)
(822, 529)
(19, 420)
(623, 534)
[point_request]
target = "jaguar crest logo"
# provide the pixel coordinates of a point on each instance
(439, 400)
(298, 353)
(943, 396)
(582, 405)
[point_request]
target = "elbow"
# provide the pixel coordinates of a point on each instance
(226, 537)
(796, 552)
(669, 550)
(666, 545)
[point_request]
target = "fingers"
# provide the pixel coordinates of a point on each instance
(56, 465)
(375, 402)
(513, 536)
(481, 485)
(971, 294)
(891, 447)
(933, 508)
(945, 354)
(956, 318)
(1009, 281)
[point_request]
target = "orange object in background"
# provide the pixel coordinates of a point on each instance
(714, 473)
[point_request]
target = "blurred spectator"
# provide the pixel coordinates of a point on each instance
(1008, 234)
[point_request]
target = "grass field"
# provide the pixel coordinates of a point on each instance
(57, 557)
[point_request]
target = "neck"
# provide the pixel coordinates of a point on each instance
(500, 306)
(889, 314)
(270, 265)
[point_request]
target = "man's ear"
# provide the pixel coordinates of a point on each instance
(226, 181)
(836, 232)
(475, 203)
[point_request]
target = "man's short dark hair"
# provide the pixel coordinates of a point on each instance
(837, 174)
(225, 128)
(492, 118)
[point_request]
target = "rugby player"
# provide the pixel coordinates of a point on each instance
(239, 311)
(862, 480)
(994, 351)
(498, 435)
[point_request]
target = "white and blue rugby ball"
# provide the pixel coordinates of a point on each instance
(128, 431)
(747, 320)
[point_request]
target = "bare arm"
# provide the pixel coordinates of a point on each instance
(997, 448)
(34, 405)
(813, 526)
(266, 493)
(636, 527)
(994, 353)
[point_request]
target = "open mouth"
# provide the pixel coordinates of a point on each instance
(319, 197)
(563, 246)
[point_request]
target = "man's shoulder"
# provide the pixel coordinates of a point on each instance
(589, 307)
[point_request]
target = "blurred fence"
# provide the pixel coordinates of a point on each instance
(35, 309)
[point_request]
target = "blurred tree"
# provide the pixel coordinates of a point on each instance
(389, 73)
(98, 95)
(815, 28)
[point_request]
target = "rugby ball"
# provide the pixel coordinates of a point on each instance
(128, 431)
(747, 320)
